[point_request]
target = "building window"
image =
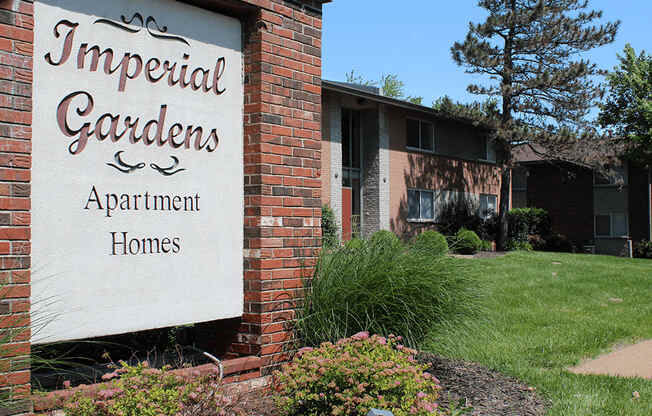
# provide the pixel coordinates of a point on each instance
(351, 146)
(489, 150)
(420, 135)
(519, 187)
(611, 225)
(620, 177)
(421, 205)
(487, 205)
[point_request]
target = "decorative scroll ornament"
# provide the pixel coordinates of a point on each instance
(144, 24)
(125, 167)
(168, 171)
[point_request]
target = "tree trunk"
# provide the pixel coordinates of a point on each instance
(505, 197)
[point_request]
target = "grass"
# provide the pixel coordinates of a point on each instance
(541, 318)
(385, 287)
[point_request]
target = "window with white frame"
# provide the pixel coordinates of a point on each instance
(420, 135)
(487, 205)
(421, 205)
(611, 225)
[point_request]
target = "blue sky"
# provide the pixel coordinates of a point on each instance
(412, 39)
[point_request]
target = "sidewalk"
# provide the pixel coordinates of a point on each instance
(630, 361)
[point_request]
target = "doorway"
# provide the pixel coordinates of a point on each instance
(351, 174)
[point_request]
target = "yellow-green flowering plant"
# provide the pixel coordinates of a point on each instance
(353, 376)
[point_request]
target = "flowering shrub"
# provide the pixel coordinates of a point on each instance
(142, 391)
(353, 376)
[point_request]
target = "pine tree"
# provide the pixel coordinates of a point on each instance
(529, 50)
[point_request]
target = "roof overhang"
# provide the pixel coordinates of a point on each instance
(343, 89)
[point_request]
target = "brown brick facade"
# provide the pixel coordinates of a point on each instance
(16, 39)
(639, 203)
(282, 133)
(566, 192)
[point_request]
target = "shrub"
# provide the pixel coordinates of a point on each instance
(432, 242)
(513, 245)
(467, 242)
(643, 250)
(328, 227)
(528, 221)
(353, 376)
(383, 287)
(559, 243)
(487, 245)
(537, 242)
(141, 391)
(463, 213)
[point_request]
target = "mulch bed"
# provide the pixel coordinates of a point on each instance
(488, 392)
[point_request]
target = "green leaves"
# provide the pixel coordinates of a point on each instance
(628, 107)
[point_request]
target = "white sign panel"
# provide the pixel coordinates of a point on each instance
(137, 173)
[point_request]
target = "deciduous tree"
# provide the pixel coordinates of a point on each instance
(628, 107)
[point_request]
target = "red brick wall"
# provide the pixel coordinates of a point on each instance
(16, 38)
(282, 172)
(567, 194)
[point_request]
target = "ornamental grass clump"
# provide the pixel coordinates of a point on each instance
(384, 287)
(353, 376)
(143, 391)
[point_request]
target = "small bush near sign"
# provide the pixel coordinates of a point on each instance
(139, 390)
(355, 375)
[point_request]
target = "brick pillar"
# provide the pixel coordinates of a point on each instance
(16, 39)
(282, 171)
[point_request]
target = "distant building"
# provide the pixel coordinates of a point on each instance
(388, 164)
(588, 209)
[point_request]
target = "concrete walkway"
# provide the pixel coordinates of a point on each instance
(630, 361)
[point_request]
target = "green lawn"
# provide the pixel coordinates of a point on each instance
(539, 318)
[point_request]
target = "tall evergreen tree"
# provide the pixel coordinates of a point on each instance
(529, 50)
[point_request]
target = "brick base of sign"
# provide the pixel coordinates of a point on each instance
(240, 375)
(16, 39)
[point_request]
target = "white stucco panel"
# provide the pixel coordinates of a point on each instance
(137, 177)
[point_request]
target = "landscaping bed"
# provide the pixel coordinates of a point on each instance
(487, 392)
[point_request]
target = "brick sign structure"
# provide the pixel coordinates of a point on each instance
(161, 223)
